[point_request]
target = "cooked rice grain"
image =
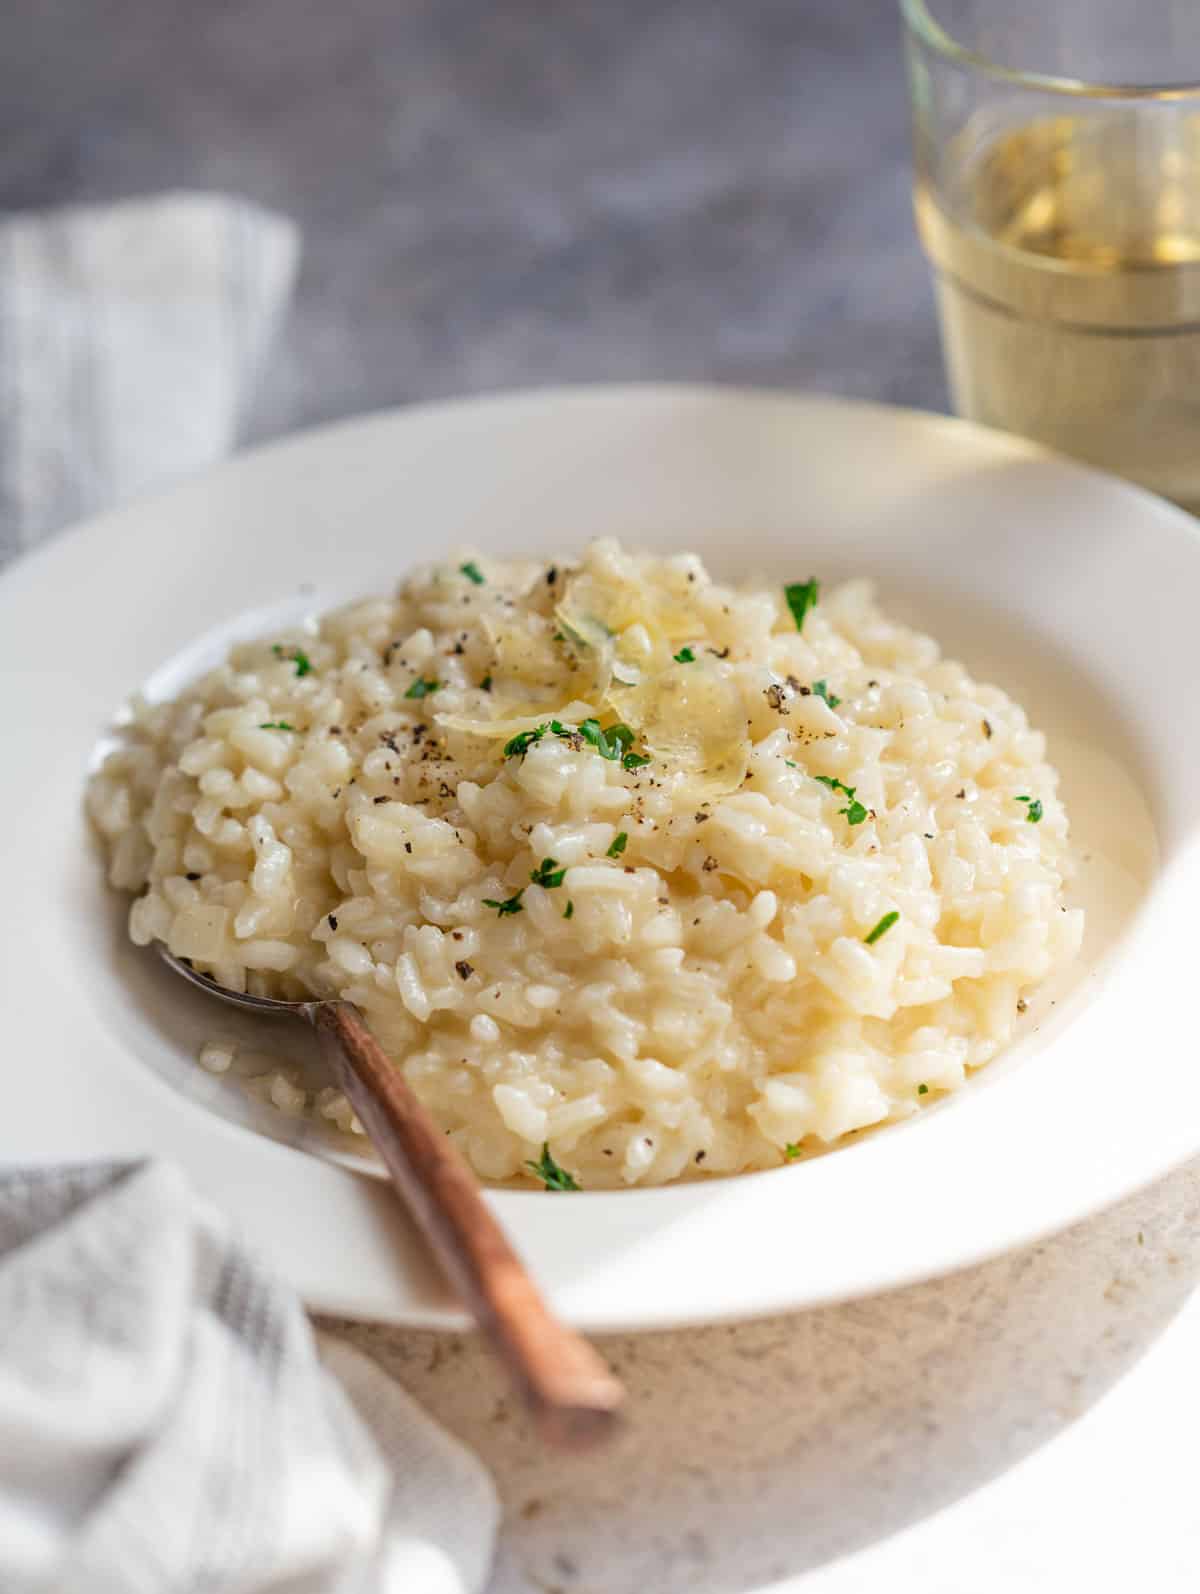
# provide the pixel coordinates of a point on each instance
(318, 816)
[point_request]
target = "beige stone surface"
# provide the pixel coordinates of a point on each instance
(772, 1449)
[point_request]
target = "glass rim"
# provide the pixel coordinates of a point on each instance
(925, 27)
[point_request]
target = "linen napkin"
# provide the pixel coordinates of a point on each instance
(168, 1422)
(130, 339)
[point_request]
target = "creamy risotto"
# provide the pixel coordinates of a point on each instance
(635, 875)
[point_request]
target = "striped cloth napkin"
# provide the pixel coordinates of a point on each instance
(130, 339)
(169, 1424)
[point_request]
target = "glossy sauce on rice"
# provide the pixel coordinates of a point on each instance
(670, 877)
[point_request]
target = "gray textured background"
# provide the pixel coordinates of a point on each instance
(513, 194)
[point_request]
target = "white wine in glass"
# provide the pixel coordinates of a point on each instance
(1062, 221)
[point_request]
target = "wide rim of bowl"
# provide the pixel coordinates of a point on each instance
(328, 1195)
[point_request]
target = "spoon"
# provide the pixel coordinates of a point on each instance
(570, 1392)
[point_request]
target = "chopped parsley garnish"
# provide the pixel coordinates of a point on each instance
(791, 1151)
(922, 1090)
(486, 684)
(558, 636)
(520, 744)
(549, 1172)
(854, 811)
(276, 725)
(1034, 812)
(684, 656)
(422, 688)
(801, 597)
(791, 763)
(821, 689)
(548, 874)
(297, 656)
(611, 744)
(472, 572)
(569, 911)
(509, 905)
(619, 842)
(882, 928)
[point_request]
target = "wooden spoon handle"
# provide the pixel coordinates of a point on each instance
(569, 1390)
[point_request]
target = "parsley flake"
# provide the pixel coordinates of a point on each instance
(791, 1151)
(509, 905)
(1034, 812)
(882, 928)
(548, 874)
(619, 842)
(472, 572)
(276, 725)
(569, 911)
(422, 688)
(801, 597)
(486, 684)
(684, 656)
(821, 689)
(297, 656)
(549, 1172)
(520, 744)
(922, 1090)
(854, 811)
(611, 744)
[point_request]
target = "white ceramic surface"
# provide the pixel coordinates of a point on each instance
(1071, 589)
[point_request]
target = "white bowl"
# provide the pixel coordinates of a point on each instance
(1076, 592)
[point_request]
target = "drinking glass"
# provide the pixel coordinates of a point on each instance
(1057, 154)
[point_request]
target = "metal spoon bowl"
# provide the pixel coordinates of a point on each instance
(569, 1390)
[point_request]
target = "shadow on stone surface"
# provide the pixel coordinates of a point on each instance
(767, 1449)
